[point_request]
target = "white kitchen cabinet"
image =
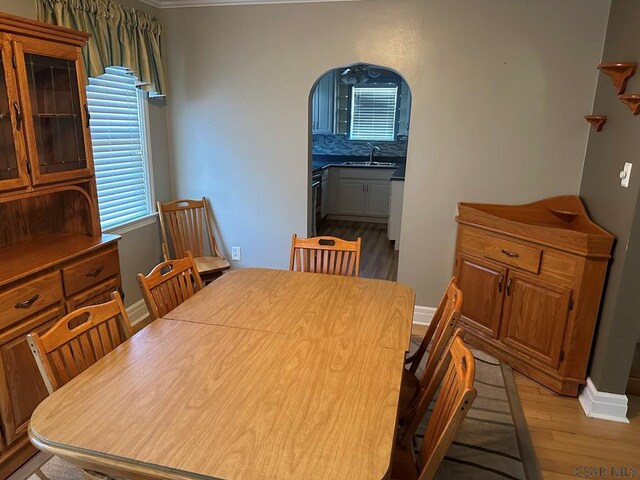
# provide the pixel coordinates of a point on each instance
(396, 194)
(322, 116)
(376, 198)
(351, 196)
(404, 113)
(359, 192)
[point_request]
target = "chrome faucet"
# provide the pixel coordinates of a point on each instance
(374, 148)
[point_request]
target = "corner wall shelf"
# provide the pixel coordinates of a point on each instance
(596, 121)
(631, 100)
(620, 73)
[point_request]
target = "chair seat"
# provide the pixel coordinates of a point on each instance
(403, 467)
(409, 390)
(207, 265)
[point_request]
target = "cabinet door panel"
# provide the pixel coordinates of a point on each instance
(351, 197)
(325, 91)
(482, 285)
(21, 386)
(535, 317)
(314, 111)
(58, 140)
(13, 172)
(377, 199)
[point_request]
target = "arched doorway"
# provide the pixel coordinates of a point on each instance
(359, 130)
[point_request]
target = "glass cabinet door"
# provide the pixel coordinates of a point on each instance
(51, 82)
(13, 166)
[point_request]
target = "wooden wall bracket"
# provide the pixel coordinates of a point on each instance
(596, 121)
(631, 100)
(620, 73)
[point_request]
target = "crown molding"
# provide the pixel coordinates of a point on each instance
(162, 4)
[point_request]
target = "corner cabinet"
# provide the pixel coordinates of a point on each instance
(532, 278)
(54, 255)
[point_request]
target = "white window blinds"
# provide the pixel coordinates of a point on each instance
(373, 112)
(118, 142)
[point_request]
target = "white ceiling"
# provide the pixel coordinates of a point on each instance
(216, 3)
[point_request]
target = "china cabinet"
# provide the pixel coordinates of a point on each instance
(54, 255)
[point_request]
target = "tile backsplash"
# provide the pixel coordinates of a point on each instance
(324, 144)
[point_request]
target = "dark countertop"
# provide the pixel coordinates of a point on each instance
(321, 162)
(399, 173)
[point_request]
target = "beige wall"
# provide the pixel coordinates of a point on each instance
(499, 90)
(139, 249)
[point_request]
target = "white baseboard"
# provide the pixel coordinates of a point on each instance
(603, 405)
(423, 315)
(137, 312)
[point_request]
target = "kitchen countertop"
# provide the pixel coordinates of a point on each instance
(322, 162)
(398, 175)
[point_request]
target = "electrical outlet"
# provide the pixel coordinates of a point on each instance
(236, 254)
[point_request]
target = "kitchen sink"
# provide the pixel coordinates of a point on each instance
(370, 164)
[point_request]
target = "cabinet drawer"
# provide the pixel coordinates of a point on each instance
(514, 254)
(28, 298)
(100, 293)
(90, 271)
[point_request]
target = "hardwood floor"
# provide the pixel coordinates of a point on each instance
(565, 438)
(378, 258)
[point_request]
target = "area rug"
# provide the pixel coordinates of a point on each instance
(494, 442)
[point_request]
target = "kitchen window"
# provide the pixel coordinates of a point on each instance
(118, 135)
(373, 112)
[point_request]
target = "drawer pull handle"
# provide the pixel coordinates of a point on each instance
(510, 254)
(96, 272)
(28, 303)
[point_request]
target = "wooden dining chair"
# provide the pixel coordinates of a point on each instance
(185, 223)
(438, 335)
(325, 255)
(78, 340)
(169, 284)
(454, 376)
(74, 343)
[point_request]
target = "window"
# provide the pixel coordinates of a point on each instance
(117, 113)
(373, 112)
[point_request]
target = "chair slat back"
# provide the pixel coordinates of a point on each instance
(78, 340)
(455, 377)
(183, 222)
(329, 255)
(439, 332)
(169, 284)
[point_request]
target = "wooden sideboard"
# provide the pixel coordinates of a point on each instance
(532, 278)
(53, 255)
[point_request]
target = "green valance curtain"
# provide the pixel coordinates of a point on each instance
(120, 36)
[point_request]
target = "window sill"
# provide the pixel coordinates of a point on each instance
(136, 224)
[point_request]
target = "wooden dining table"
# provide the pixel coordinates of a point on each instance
(264, 374)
